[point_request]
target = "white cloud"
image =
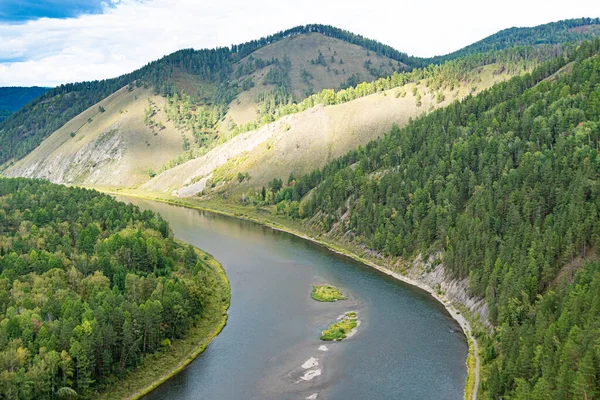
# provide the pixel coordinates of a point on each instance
(133, 33)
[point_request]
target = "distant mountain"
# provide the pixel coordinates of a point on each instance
(12, 98)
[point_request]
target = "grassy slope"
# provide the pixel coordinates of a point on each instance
(301, 50)
(115, 149)
(159, 367)
(91, 159)
(307, 140)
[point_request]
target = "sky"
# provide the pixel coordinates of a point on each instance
(50, 42)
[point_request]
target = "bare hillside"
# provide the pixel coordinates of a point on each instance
(340, 61)
(110, 148)
(304, 141)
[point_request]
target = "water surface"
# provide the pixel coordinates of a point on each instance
(408, 346)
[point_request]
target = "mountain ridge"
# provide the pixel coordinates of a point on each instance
(25, 129)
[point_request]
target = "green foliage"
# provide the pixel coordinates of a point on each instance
(326, 293)
(339, 330)
(506, 185)
(242, 177)
(88, 287)
(550, 34)
(23, 130)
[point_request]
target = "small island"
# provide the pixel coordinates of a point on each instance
(326, 293)
(344, 327)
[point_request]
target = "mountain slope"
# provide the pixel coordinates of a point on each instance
(211, 76)
(110, 148)
(301, 142)
(500, 190)
(548, 34)
(192, 124)
(215, 82)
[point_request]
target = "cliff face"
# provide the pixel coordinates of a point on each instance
(455, 290)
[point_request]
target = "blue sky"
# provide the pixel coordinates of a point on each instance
(49, 42)
(25, 10)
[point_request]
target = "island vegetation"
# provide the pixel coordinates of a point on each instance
(342, 328)
(90, 288)
(326, 293)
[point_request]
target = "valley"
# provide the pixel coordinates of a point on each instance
(459, 191)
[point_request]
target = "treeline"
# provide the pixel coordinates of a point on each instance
(247, 48)
(24, 130)
(88, 287)
(506, 186)
(450, 75)
(571, 30)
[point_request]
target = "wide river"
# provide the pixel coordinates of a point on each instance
(407, 346)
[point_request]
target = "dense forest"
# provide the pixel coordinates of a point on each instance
(571, 30)
(505, 186)
(88, 287)
(22, 131)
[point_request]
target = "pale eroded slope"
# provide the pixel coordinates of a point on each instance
(304, 141)
(115, 149)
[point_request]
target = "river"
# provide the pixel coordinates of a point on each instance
(407, 346)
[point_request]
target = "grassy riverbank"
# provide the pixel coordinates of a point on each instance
(163, 365)
(267, 216)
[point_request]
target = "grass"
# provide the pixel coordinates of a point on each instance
(340, 330)
(326, 293)
(159, 367)
(471, 365)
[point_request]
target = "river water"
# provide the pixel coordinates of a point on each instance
(407, 346)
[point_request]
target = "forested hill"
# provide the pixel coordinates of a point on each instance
(212, 72)
(13, 98)
(212, 78)
(552, 33)
(504, 187)
(88, 288)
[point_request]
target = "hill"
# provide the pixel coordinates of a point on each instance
(499, 191)
(140, 147)
(221, 92)
(298, 143)
(13, 98)
(212, 79)
(547, 34)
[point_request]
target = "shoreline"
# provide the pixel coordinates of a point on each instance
(473, 348)
(188, 358)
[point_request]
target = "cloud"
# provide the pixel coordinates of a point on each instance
(129, 34)
(25, 10)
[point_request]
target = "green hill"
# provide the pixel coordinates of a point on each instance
(212, 78)
(222, 85)
(547, 34)
(502, 190)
